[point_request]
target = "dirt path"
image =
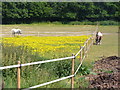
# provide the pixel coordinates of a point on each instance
(108, 71)
(53, 34)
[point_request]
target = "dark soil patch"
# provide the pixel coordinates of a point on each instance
(107, 77)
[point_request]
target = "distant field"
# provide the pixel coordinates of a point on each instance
(49, 30)
(109, 46)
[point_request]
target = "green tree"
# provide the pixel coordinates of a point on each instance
(27, 12)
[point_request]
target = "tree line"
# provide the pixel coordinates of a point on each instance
(28, 12)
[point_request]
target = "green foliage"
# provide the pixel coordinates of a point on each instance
(10, 56)
(105, 71)
(34, 74)
(82, 83)
(86, 22)
(29, 12)
(75, 23)
(108, 23)
(93, 23)
(56, 22)
(84, 70)
(108, 71)
(63, 68)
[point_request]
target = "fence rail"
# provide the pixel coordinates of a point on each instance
(83, 53)
(33, 63)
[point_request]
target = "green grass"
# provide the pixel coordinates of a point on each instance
(29, 29)
(47, 27)
(108, 29)
(109, 46)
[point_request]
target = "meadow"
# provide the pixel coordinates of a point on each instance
(48, 29)
(31, 49)
(67, 40)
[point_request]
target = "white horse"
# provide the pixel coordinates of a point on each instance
(16, 31)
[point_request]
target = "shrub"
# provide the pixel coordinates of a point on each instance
(56, 22)
(75, 23)
(93, 23)
(108, 23)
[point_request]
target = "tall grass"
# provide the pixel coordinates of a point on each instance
(34, 74)
(31, 75)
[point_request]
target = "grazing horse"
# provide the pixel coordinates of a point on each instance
(16, 31)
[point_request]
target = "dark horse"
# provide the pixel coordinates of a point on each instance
(98, 39)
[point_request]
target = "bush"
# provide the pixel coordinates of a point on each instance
(108, 23)
(56, 22)
(93, 23)
(84, 70)
(75, 23)
(63, 68)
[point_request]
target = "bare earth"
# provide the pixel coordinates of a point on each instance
(108, 71)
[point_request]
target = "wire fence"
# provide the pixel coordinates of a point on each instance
(83, 53)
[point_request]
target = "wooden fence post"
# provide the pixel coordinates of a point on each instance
(86, 48)
(72, 79)
(18, 77)
(83, 51)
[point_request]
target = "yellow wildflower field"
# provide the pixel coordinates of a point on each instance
(48, 44)
(32, 49)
